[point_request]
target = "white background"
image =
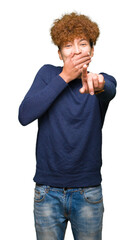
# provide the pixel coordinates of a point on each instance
(26, 46)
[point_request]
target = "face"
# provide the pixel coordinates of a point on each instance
(77, 46)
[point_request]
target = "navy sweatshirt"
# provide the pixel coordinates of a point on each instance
(69, 138)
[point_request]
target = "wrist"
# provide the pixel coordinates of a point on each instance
(64, 77)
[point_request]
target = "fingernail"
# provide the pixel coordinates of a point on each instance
(88, 53)
(92, 93)
(84, 65)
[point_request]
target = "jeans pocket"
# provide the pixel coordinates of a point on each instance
(93, 195)
(39, 194)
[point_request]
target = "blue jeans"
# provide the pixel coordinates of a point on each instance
(83, 207)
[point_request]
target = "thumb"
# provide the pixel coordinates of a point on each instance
(82, 90)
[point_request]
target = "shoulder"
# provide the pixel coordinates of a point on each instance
(46, 68)
(48, 71)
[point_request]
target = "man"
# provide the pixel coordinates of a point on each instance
(70, 104)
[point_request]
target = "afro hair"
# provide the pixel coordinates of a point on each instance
(72, 26)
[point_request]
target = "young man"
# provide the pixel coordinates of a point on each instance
(70, 104)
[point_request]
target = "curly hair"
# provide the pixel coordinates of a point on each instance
(71, 26)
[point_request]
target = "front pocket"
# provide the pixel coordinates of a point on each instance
(39, 195)
(93, 195)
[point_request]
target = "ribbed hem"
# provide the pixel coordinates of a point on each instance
(68, 180)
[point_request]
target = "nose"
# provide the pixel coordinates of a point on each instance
(77, 49)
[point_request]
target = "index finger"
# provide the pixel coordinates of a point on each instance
(90, 85)
(84, 73)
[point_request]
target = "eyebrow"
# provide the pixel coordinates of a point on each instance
(83, 39)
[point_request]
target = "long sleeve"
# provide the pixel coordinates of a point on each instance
(43, 91)
(109, 88)
(108, 94)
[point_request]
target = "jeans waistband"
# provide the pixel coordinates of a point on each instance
(69, 187)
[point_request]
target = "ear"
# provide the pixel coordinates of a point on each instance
(92, 52)
(59, 53)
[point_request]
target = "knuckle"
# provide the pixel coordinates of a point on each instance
(95, 82)
(101, 78)
(95, 76)
(73, 62)
(76, 67)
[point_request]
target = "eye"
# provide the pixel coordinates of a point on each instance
(68, 45)
(83, 44)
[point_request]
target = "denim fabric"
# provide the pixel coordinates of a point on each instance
(83, 207)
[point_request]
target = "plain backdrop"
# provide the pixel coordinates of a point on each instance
(25, 47)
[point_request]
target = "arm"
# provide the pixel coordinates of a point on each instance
(103, 85)
(107, 94)
(109, 88)
(40, 95)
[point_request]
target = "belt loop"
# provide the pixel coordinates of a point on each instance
(81, 190)
(47, 189)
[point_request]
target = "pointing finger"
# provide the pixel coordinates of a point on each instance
(84, 79)
(84, 73)
(90, 85)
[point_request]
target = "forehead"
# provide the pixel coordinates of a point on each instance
(78, 39)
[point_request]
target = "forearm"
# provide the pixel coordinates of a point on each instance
(109, 90)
